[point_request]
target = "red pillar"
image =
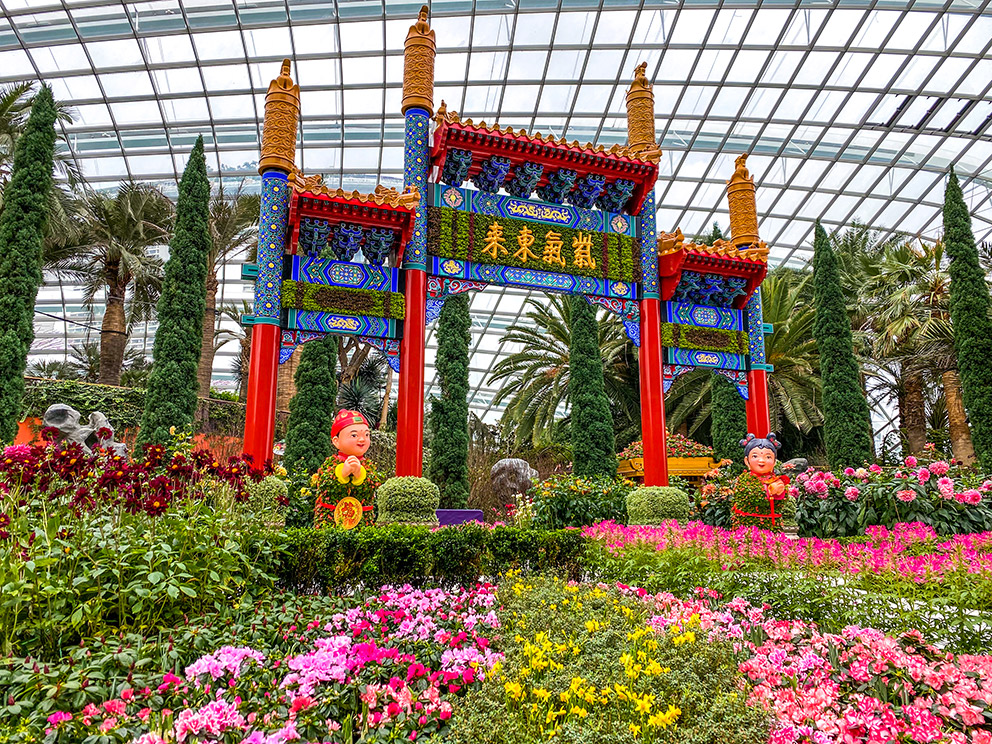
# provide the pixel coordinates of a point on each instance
(652, 395)
(410, 401)
(260, 411)
(757, 403)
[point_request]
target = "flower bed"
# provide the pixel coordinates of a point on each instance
(557, 661)
(678, 446)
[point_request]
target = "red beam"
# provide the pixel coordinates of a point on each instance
(653, 430)
(410, 400)
(757, 403)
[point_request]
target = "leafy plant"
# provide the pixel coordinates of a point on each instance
(407, 500)
(656, 504)
(570, 501)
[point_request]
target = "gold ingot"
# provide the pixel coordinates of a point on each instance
(640, 112)
(282, 118)
(743, 207)
(418, 65)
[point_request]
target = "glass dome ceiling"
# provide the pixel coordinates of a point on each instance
(850, 109)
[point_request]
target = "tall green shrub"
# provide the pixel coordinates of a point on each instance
(22, 230)
(970, 307)
(312, 409)
(173, 384)
(847, 423)
(593, 451)
(728, 419)
(449, 413)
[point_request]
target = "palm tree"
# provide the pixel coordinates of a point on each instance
(364, 392)
(233, 230)
(909, 293)
(112, 255)
(239, 367)
(57, 369)
(536, 377)
(793, 387)
(15, 105)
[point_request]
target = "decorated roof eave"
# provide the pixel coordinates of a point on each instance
(618, 161)
(384, 207)
(723, 257)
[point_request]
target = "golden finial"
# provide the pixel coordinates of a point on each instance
(743, 206)
(418, 65)
(282, 116)
(640, 113)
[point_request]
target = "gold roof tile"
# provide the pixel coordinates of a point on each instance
(672, 242)
(381, 197)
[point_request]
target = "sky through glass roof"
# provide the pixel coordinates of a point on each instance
(850, 109)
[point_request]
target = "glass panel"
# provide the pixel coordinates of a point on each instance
(367, 70)
(162, 50)
(226, 78)
(219, 45)
(127, 84)
(62, 58)
(533, 29)
(118, 53)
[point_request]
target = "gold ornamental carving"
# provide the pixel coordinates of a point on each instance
(381, 197)
(640, 113)
(418, 65)
(282, 118)
(743, 208)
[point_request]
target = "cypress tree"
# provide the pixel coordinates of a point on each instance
(449, 414)
(728, 419)
(22, 229)
(970, 306)
(593, 451)
(312, 409)
(173, 385)
(847, 422)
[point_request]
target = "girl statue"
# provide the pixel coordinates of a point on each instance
(759, 490)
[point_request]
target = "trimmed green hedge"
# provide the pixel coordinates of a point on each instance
(123, 406)
(332, 558)
(655, 504)
(408, 500)
(704, 339)
(343, 300)
(462, 236)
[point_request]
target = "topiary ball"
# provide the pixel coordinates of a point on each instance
(656, 504)
(408, 500)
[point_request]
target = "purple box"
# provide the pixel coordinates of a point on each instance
(448, 517)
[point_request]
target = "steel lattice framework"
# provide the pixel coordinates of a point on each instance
(852, 109)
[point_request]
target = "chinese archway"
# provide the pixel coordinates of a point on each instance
(483, 205)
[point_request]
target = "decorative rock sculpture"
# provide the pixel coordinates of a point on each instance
(345, 484)
(511, 476)
(758, 491)
(97, 433)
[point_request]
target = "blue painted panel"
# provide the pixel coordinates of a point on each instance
(712, 359)
(344, 274)
(704, 316)
(350, 325)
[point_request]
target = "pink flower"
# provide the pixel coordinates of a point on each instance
(849, 472)
(940, 467)
(851, 493)
(922, 475)
(945, 487)
(874, 468)
(906, 495)
(911, 462)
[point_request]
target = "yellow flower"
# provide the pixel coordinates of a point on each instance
(541, 694)
(593, 625)
(580, 712)
(635, 730)
(515, 690)
(643, 705)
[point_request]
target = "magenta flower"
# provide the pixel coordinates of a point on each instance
(939, 468)
(906, 495)
(851, 493)
(911, 462)
(874, 468)
(922, 475)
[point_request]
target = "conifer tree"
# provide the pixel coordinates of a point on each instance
(728, 419)
(172, 387)
(449, 413)
(847, 423)
(593, 451)
(312, 409)
(970, 306)
(22, 229)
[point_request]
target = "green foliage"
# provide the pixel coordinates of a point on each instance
(449, 232)
(173, 385)
(123, 406)
(449, 412)
(22, 234)
(584, 643)
(704, 339)
(656, 504)
(106, 664)
(343, 300)
(382, 451)
(407, 499)
(312, 410)
(593, 446)
(729, 419)
(267, 499)
(751, 504)
(970, 306)
(847, 423)
(337, 559)
(571, 501)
